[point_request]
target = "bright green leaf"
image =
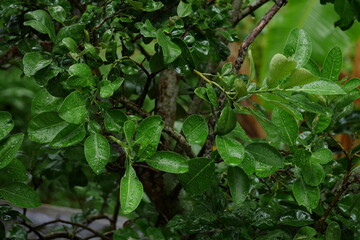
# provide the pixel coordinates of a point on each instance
(171, 51)
(195, 129)
(184, 9)
(44, 102)
(97, 152)
(287, 126)
(266, 154)
(58, 13)
(298, 46)
(306, 195)
(239, 184)
(73, 109)
(332, 65)
(9, 148)
(131, 191)
(230, 150)
(20, 195)
(280, 68)
(70, 44)
(171, 162)
(108, 88)
(114, 120)
(321, 156)
(6, 124)
(199, 177)
(226, 68)
(299, 77)
(70, 135)
(319, 87)
(33, 62)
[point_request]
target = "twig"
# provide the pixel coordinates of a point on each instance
(257, 30)
(32, 229)
(62, 235)
(236, 10)
(169, 130)
(248, 10)
(142, 97)
(116, 210)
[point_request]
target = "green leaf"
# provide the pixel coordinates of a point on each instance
(239, 184)
(211, 95)
(70, 44)
(151, 6)
(195, 129)
(73, 109)
(313, 174)
(269, 127)
(319, 87)
(97, 152)
(6, 124)
(305, 195)
(33, 62)
(171, 51)
(108, 88)
(15, 171)
(332, 65)
(321, 156)
(148, 135)
(226, 69)
(9, 148)
(70, 135)
(58, 13)
(298, 46)
(171, 162)
(306, 104)
(41, 22)
(199, 177)
(146, 29)
(333, 231)
(80, 69)
(44, 127)
(266, 154)
(345, 11)
(299, 77)
(44, 102)
(184, 9)
(280, 68)
(230, 150)
(131, 191)
(226, 122)
(20, 195)
(129, 130)
(75, 31)
(201, 93)
(114, 120)
(287, 126)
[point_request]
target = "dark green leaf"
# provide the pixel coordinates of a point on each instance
(6, 124)
(168, 162)
(33, 62)
(226, 122)
(239, 184)
(15, 171)
(333, 231)
(114, 120)
(58, 13)
(170, 50)
(129, 130)
(298, 45)
(73, 109)
(230, 150)
(44, 102)
(44, 127)
(9, 148)
(332, 65)
(20, 195)
(296, 218)
(287, 126)
(70, 44)
(321, 156)
(108, 88)
(41, 22)
(266, 154)
(345, 10)
(313, 174)
(199, 177)
(70, 135)
(195, 129)
(146, 29)
(97, 152)
(151, 6)
(184, 9)
(131, 191)
(306, 195)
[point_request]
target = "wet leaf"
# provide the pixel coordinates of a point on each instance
(9, 148)
(73, 109)
(332, 65)
(97, 152)
(266, 154)
(131, 191)
(239, 184)
(6, 124)
(168, 162)
(33, 62)
(195, 129)
(230, 150)
(20, 195)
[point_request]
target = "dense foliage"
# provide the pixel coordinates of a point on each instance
(136, 113)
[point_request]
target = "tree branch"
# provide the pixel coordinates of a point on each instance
(248, 10)
(257, 30)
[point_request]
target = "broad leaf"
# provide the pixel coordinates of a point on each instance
(321, 156)
(15, 171)
(80, 76)
(73, 109)
(70, 44)
(226, 122)
(70, 135)
(239, 184)
(97, 152)
(306, 195)
(199, 177)
(41, 22)
(44, 102)
(44, 127)
(129, 131)
(184, 9)
(131, 191)
(20, 195)
(170, 50)
(108, 88)
(287, 126)
(168, 162)
(266, 154)
(280, 68)
(33, 62)
(299, 77)
(298, 46)
(148, 135)
(313, 174)
(319, 87)
(333, 231)
(195, 129)
(306, 104)
(58, 13)
(332, 65)
(6, 124)
(114, 120)
(9, 148)
(230, 150)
